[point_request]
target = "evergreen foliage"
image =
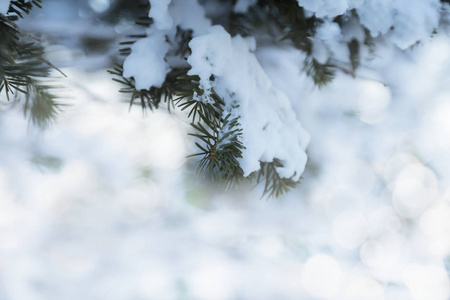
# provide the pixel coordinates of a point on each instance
(321, 74)
(24, 72)
(284, 21)
(219, 143)
(274, 184)
(222, 146)
(269, 22)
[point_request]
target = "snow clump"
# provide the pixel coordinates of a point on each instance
(146, 62)
(270, 127)
(409, 21)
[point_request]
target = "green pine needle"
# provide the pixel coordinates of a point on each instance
(23, 68)
(274, 185)
(321, 74)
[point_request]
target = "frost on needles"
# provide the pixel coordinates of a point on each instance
(202, 56)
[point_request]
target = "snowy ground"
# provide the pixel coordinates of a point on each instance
(104, 206)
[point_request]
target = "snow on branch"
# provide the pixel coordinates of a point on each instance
(203, 58)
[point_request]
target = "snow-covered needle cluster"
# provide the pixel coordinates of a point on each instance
(205, 56)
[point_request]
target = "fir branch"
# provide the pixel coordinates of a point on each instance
(208, 110)
(353, 47)
(288, 19)
(40, 104)
(297, 26)
(18, 7)
(220, 145)
(219, 133)
(146, 97)
(274, 18)
(125, 46)
(256, 21)
(177, 83)
(321, 74)
(274, 184)
(144, 20)
(369, 41)
(220, 149)
(181, 42)
(23, 68)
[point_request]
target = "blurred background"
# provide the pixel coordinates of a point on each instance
(104, 204)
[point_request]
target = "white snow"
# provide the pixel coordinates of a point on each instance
(159, 12)
(189, 14)
(411, 21)
(242, 6)
(240, 80)
(320, 51)
(4, 5)
(377, 16)
(270, 127)
(352, 30)
(146, 62)
(329, 33)
(99, 6)
(414, 23)
(325, 8)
